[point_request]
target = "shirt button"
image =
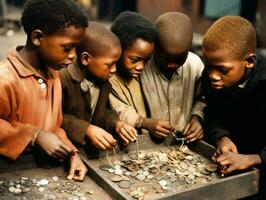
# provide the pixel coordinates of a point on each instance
(43, 85)
(40, 80)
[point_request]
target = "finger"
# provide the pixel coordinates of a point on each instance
(80, 174)
(106, 144)
(166, 125)
(201, 136)
(186, 128)
(160, 134)
(193, 128)
(124, 139)
(99, 145)
(60, 155)
(225, 162)
(134, 132)
(230, 169)
(127, 134)
(234, 149)
(163, 131)
(71, 172)
(109, 139)
(67, 149)
(215, 156)
(192, 136)
(195, 135)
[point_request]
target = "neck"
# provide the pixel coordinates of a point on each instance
(246, 76)
(123, 73)
(30, 55)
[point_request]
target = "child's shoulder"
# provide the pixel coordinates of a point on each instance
(116, 79)
(193, 58)
(8, 74)
(194, 63)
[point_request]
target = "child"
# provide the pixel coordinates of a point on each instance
(170, 79)
(30, 101)
(137, 36)
(235, 85)
(86, 90)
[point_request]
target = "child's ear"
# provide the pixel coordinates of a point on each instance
(36, 37)
(85, 58)
(250, 60)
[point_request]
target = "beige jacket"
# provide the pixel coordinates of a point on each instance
(126, 99)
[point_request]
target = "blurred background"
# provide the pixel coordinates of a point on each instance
(202, 12)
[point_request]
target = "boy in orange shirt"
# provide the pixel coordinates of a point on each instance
(30, 101)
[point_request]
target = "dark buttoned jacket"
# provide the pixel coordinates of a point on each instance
(76, 103)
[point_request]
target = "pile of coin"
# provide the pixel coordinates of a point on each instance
(155, 172)
(26, 188)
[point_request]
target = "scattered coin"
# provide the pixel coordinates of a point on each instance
(124, 184)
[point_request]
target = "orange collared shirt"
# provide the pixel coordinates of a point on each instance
(28, 101)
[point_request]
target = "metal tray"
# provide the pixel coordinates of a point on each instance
(232, 187)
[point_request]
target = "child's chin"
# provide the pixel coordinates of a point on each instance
(217, 87)
(135, 75)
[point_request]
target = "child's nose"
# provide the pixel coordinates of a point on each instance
(72, 54)
(113, 69)
(140, 66)
(214, 76)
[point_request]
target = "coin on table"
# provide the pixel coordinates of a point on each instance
(211, 167)
(124, 184)
(105, 167)
(116, 178)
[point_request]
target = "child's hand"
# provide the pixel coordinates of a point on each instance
(159, 128)
(126, 132)
(224, 145)
(234, 161)
(100, 138)
(53, 145)
(193, 130)
(77, 170)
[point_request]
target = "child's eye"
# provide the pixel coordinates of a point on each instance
(109, 65)
(67, 49)
(224, 71)
(133, 61)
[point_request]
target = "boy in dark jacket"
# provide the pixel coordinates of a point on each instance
(235, 83)
(86, 91)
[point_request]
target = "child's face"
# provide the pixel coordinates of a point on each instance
(134, 58)
(224, 69)
(170, 59)
(103, 67)
(58, 50)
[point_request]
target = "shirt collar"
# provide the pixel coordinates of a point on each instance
(23, 68)
(75, 72)
(157, 69)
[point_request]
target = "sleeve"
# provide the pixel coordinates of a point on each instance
(199, 102)
(75, 128)
(14, 136)
(103, 116)
(62, 135)
(262, 155)
(120, 104)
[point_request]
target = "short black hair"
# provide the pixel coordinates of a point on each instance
(98, 40)
(52, 15)
(129, 26)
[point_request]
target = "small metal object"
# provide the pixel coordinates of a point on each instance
(176, 133)
(124, 184)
